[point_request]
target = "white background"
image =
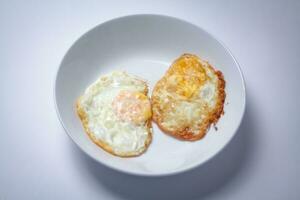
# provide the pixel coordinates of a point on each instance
(39, 161)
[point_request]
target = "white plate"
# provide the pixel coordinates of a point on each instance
(145, 45)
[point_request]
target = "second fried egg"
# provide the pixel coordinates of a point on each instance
(188, 98)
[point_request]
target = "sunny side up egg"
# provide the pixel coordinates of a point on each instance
(188, 98)
(116, 112)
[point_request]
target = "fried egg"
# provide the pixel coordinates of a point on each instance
(116, 113)
(188, 98)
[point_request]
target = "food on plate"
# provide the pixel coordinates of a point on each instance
(189, 98)
(116, 114)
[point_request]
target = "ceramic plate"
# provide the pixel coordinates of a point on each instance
(146, 45)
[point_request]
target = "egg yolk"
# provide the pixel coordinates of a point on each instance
(132, 106)
(187, 75)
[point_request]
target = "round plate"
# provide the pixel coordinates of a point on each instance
(146, 45)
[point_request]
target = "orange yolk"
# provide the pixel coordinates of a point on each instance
(132, 106)
(187, 75)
